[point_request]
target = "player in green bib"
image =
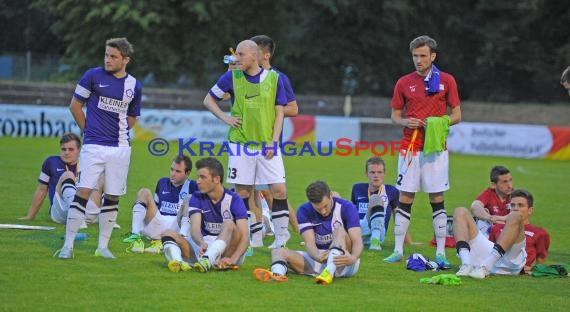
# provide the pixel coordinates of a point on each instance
(256, 120)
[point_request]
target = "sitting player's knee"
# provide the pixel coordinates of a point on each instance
(168, 239)
(460, 211)
(143, 194)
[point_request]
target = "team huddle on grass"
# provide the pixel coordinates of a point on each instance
(201, 225)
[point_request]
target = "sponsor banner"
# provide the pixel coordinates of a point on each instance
(330, 129)
(202, 125)
(175, 124)
(17, 120)
(513, 140)
(561, 143)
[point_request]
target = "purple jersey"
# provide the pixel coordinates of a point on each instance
(289, 94)
(109, 101)
(52, 169)
(230, 207)
(168, 198)
(343, 214)
(388, 194)
(225, 84)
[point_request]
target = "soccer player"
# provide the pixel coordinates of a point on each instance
(375, 202)
(330, 229)
(267, 50)
(256, 121)
(153, 215)
(113, 100)
(57, 180)
(423, 94)
(219, 232)
(490, 207)
(511, 249)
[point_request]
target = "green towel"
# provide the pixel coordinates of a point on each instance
(553, 270)
(442, 279)
(437, 129)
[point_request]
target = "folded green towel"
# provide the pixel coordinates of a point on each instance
(437, 129)
(553, 270)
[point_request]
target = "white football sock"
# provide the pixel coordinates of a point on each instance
(172, 251)
(215, 250)
(401, 224)
(139, 213)
(330, 260)
(440, 230)
(107, 220)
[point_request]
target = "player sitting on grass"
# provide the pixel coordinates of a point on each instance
(57, 180)
(219, 231)
(512, 247)
(375, 202)
(490, 207)
(330, 229)
(152, 216)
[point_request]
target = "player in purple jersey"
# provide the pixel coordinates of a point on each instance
(258, 97)
(57, 180)
(113, 100)
(375, 202)
(330, 228)
(153, 215)
(266, 51)
(219, 232)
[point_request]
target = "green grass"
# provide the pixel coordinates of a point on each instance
(31, 279)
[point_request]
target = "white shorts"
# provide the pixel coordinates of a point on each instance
(484, 227)
(254, 170)
(60, 208)
(208, 239)
(431, 172)
(511, 263)
(159, 224)
(314, 268)
(112, 160)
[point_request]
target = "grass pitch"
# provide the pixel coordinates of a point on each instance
(32, 279)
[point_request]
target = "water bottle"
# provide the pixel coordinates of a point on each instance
(81, 236)
(230, 59)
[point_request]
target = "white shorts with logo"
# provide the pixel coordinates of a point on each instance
(254, 169)
(112, 160)
(159, 224)
(208, 239)
(59, 209)
(511, 263)
(431, 172)
(314, 268)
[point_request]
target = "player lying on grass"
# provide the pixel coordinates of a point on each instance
(330, 229)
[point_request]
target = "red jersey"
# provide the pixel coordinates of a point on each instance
(493, 203)
(410, 95)
(537, 241)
